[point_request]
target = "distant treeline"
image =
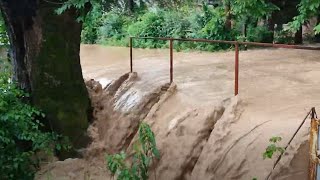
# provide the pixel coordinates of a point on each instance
(243, 20)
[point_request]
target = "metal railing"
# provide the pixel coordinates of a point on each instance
(314, 141)
(235, 43)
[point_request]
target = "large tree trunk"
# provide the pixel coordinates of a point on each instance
(45, 49)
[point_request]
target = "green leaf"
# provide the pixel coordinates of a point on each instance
(273, 148)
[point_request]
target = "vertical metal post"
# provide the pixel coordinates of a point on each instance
(236, 70)
(130, 45)
(313, 144)
(171, 60)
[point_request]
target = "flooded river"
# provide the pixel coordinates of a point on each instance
(201, 130)
(208, 76)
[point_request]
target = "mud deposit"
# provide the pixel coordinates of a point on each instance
(202, 131)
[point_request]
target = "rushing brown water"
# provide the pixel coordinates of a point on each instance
(208, 76)
(200, 131)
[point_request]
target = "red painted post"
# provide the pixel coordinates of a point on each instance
(236, 70)
(171, 60)
(130, 45)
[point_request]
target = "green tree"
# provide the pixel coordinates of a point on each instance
(307, 9)
(251, 11)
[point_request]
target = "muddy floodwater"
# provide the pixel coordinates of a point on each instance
(202, 130)
(207, 77)
(277, 88)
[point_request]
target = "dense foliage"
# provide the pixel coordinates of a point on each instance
(112, 22)
(205, 22)
(21, 135)
(307, 9)
(145, 150)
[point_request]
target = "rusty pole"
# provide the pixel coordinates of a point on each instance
(171, 60)
(236, 70)
(313, 149)
(130, 44)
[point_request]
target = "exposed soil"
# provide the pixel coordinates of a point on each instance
(202, 131)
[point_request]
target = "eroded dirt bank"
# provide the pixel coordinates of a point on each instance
(207, 142)
(181, 130)
(202, 131)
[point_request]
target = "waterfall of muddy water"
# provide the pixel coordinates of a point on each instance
(202, 131)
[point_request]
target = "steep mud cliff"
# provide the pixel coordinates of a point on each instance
(209, 141)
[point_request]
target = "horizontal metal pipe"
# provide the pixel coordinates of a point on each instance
(286, 46)
(185, 39)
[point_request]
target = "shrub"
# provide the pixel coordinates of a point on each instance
(145, 150)
(284, 36)
(215, 29)
(113, 28)
(273, 148)
(259, 34)
(91, 23)
(149, 25)
(21, 136)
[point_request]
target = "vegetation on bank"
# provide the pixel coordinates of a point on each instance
(145, 151)
(25, 142)
(206, 22)
(249, 20)
(273, 148)
(22, 134)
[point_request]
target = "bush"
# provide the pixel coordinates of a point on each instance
(21, 136)
(259, 34)
(149, 25)
(215, 29)
(273, 148)
(284, 36)
(92, 21)
(113, 28)
(145, 150)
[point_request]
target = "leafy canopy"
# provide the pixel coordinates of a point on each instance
(240, 8)
(252, 8)
(307, 9)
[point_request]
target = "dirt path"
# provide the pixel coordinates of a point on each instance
(201, 130)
